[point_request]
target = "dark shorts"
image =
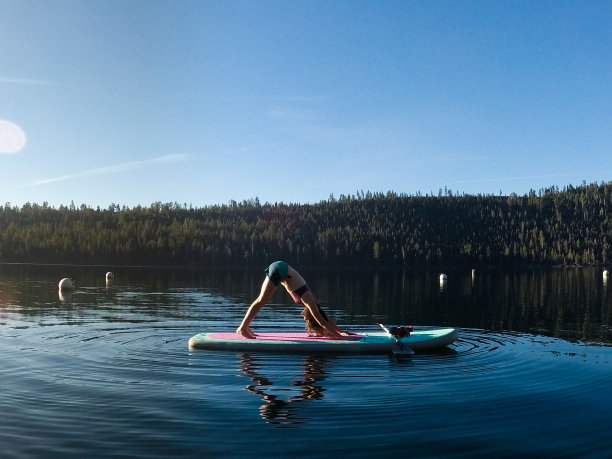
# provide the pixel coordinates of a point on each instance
(297, 295)
(277, 272)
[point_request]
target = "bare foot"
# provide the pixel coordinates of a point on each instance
(245, 332)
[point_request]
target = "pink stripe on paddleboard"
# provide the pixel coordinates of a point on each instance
(298, 336)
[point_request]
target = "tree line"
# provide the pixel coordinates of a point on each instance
(572, 226)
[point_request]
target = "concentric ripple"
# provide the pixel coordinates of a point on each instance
(110, 373)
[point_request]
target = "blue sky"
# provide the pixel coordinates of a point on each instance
(203, 102)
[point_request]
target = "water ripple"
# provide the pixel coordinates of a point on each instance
(114, 374)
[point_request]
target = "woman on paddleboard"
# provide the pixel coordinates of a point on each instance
(279, 272)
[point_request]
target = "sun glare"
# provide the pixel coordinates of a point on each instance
(12, 137)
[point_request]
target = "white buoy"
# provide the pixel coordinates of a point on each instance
(442, 282)
(65, 296)
(110, 276)
(66, 285)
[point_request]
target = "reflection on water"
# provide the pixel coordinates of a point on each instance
(109, 372)
(572, 304)
(279, 409)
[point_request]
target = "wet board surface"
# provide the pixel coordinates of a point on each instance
(377, 342)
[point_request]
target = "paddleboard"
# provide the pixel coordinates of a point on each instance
(376, 342)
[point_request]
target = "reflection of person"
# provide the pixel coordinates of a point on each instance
(279, 272)
(276, 409)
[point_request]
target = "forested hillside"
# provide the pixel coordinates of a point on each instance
(572, 226)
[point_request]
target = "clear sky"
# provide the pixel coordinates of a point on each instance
(201, 102)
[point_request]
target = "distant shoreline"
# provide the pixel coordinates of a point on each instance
(572, 227)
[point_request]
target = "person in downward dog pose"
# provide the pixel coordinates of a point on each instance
(279, 272)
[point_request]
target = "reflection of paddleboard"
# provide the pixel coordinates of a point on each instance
(419, 340)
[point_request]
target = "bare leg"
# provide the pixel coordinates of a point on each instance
(267, 290)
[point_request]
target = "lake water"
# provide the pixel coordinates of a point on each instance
(107, 371)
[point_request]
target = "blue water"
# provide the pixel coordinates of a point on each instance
(107, 372)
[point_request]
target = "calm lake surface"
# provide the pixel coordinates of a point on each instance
(107, 371)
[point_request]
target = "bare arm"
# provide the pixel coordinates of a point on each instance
(338, 330)
(310, 302)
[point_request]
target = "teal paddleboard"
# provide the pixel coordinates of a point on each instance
(376, 342)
